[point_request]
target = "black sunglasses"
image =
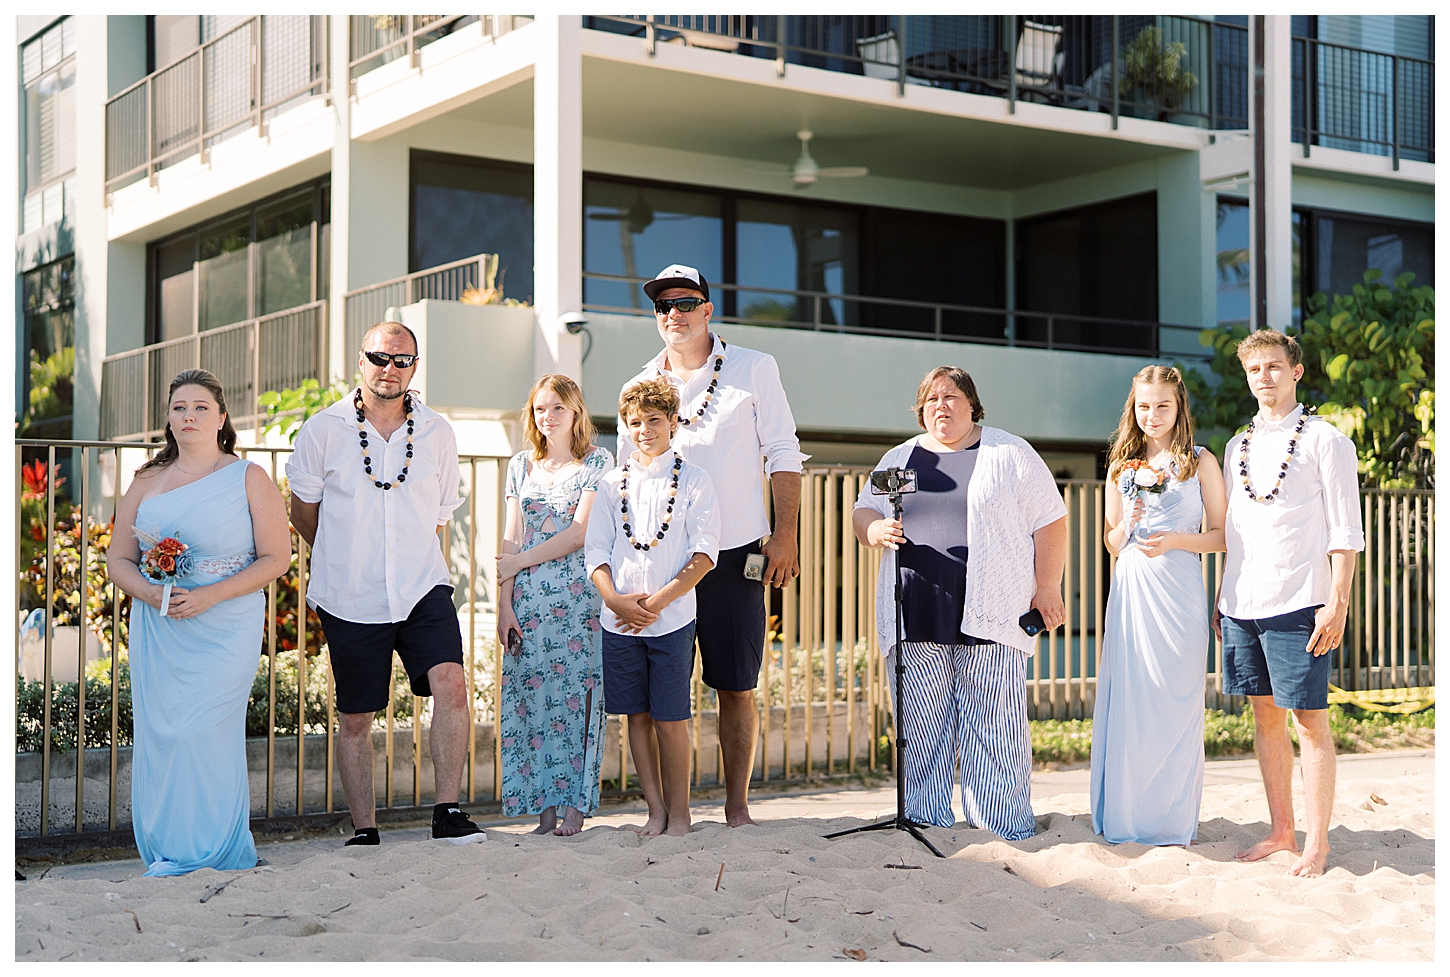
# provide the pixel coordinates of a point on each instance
(401, 360)
(663, 306)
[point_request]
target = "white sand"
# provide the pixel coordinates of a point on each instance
(610, 895)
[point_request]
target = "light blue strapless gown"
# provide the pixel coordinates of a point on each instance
(190, 680)
(1147, 752)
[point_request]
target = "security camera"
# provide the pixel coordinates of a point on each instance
(574, 322)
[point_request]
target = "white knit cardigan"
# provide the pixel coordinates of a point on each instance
(1011, 495)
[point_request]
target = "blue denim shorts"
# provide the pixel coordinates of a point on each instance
(1270, 656)
(649, 674)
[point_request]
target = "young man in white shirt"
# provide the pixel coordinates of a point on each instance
(1292, 532)
(735, 423)
(387, 468)
(651, 538)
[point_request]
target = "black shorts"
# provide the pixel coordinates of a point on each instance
(362, 654)
(730, 623)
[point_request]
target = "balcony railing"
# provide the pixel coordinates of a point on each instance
(376, 39)
(271, 352)
(823, 702)
(365, 307)
(1071, 61)
(944, 322)
(1364, 101)
(231, 84)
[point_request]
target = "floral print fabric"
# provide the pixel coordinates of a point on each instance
(553, 702)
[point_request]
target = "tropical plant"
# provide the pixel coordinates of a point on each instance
(1369, 362)
(51, 385)
(288, 410)
(1156, 70)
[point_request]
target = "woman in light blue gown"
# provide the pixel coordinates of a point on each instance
(197, 622)
(1147, 751)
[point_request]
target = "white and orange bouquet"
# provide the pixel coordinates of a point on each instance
(1139, 477)
(164, 560)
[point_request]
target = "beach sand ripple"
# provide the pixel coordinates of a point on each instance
(785, 893)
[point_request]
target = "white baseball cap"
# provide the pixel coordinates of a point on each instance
(677, 276)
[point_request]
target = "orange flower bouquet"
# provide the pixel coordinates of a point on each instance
(164, 560)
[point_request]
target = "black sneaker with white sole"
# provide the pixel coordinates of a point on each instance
(450, 824)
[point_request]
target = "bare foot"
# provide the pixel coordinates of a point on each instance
(547, 820)
(1267, 847)
(737, 818)
(679, 827)
(1310, 865)
(653, 827)
(573, 822)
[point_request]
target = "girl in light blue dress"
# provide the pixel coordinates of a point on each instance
(198, 535)
(1147, 751)
(548, 619)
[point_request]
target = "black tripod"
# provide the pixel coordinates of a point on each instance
(901, 822)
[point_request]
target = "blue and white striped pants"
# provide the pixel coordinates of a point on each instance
(967, 702)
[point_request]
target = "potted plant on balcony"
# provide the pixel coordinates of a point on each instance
(1155, 81)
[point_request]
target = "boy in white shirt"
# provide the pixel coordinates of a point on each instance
(646, 564)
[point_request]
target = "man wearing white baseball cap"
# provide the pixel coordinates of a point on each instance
(735, 423)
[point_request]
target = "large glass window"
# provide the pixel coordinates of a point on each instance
(1331, 252)
(1099, 261)
(801, 247)
(463, 206)
(635, 231)
(48, 67)
(935, 258)
(1346, 245)
(267, 258)
(48, 299)
(1232, 263)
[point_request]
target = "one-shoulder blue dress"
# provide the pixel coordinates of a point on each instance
(190, 679)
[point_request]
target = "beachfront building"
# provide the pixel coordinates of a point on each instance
(1049, 201)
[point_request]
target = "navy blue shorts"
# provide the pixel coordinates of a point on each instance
(1270, 656)
(730, 621)
(362, 654)
(649, 674)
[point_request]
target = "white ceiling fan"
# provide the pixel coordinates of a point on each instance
(805, 170)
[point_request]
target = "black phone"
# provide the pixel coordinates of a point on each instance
(893, 481)
(516, 642)
(1032, 623)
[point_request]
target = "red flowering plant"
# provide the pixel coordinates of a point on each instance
(66, 573)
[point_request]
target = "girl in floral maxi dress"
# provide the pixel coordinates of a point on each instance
(548, 621)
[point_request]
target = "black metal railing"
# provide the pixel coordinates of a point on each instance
(941, 321)
(231, 84)
(1080, 62)
(1364, 101)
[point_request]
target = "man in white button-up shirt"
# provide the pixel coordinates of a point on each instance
(372, 478)
(736, 424)
(1292, 532)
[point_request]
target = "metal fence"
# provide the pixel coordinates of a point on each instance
(910, 319)
(367, 306)
(1365, 101)
(1076, 62)
(231, 84)
(824, 706)
(376, 39)
(271, 352)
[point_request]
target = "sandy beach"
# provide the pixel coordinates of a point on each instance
(786, 893)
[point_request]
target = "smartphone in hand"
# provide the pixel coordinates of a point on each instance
(1032, 623)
